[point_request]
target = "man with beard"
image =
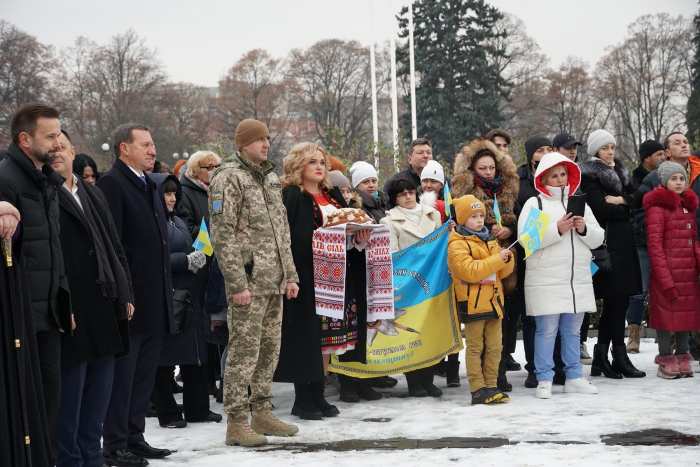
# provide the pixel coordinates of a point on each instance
(28, 182)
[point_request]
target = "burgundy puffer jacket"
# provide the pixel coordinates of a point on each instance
(674, 251)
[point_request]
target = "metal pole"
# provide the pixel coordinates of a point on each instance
(375, 129)
(414, 126)
(394, 98)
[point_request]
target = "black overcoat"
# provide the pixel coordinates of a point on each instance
(300, 352)
(190, 346)
(141, 225)
(98, 332)
(21, 392)
(597, 181)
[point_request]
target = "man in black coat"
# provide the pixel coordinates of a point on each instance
(419, 153)
(651, 153)
(91, 250)
(28, 182)
(140, 223)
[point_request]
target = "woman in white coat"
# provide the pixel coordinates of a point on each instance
(558, 280)
(409, 222)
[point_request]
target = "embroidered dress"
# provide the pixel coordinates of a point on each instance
(337, 335)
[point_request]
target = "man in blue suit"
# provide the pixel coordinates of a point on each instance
(140, 222)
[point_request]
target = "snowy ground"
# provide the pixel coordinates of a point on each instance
(622, 406)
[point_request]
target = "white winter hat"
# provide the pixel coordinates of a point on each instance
(433, 170)
(361, 171)
(597, 140)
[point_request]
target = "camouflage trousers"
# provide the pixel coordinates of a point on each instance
(255, 332)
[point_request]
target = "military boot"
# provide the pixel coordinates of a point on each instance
(265, 423)
(242, 434)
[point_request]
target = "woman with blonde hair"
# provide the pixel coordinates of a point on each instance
(195, 188)
(308, 339)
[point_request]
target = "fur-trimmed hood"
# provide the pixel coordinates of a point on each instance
(614, 180)
(463, 180)
(356, 201)
(667, 199)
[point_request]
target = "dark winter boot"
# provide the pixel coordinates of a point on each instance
(415, 386)
(502, 381)
(382, 382)
(220, 393)
(347, 389)
(440, 368)
(427, 375)
(452, 369)
(316, 388)
(365, 391)
(304, 406)
(621, 362)
(531, 381)
(601, 364)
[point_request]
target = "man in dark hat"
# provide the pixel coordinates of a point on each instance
(651, 153)
(567, 145)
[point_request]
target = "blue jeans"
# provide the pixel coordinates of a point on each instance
(529, 326)
(635, 310)
(569, 327)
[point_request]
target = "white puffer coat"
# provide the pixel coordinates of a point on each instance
(558, 275)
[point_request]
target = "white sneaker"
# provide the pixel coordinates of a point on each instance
(580, 386)
(544, 390)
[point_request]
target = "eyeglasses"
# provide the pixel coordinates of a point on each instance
(403, 194)
(210, 167)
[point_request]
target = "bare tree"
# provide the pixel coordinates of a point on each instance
(25, 72)
(255, 87)
(647, 79)
(332, 87)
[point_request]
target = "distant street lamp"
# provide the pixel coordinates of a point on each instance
(186, 155)
(105, 147)
(176, 156)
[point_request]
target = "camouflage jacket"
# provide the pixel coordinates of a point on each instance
(249, 228)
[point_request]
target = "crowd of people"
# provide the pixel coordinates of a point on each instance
(103, 293)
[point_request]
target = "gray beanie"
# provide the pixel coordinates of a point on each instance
(339, 180)
(667, 169)
(597, 140)
(533, 143)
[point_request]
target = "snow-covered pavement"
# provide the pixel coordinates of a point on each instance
(622, 406)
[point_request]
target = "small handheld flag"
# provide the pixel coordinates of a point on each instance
(448, 201)
(533, 232)
(497, 211)
(202, 243)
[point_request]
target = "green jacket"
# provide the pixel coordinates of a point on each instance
(249, 228)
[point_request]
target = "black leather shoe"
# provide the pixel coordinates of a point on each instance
(123, 458)
(143, 449)
(531, 381)
(511, 364)
(174, 424)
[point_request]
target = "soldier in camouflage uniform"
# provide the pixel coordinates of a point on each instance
(250, 235)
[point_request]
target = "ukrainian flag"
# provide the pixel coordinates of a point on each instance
(202, 243)
(448, 201)
(497, 211)
(533, 232)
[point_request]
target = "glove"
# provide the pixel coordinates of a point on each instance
(196, 260)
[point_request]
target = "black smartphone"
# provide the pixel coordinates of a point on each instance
(577, 205)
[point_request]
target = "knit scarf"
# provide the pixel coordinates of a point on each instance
(330, 251)
(201, 184)
(413, 215)
(492, 187)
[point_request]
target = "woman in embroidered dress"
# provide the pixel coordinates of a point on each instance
(308, 339)
(489, 174)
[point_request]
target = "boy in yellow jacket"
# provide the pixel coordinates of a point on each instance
(477, 265)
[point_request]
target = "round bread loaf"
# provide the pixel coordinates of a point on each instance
(345, 215)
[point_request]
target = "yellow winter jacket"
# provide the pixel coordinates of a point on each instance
(472, 261)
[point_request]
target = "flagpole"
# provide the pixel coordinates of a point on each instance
(394, 98)
(414, 127)
(375, 129)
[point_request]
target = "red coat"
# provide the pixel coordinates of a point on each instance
(674, 251)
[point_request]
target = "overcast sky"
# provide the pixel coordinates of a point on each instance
(198, 40)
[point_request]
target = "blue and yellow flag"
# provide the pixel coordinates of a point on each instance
(202, 243)
(533, 232)
(448, 201)
(497, 211)
(425, 327)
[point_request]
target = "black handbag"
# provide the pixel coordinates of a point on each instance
(601, 256)
(181, 302)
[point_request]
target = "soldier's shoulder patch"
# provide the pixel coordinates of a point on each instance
(217, 204)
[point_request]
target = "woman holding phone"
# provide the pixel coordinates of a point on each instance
(558, 282)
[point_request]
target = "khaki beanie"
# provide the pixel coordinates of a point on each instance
(249, 131)
(466, 206)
